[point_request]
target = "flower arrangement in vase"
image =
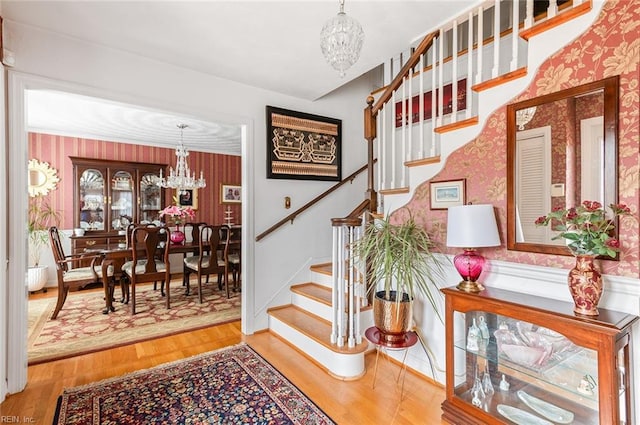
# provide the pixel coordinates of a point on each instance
(588, 232)
(178, 213)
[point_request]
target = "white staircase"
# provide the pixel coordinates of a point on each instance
(306, 324)
(412, 154)
(415, 152)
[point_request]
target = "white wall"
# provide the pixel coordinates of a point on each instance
(47, 60)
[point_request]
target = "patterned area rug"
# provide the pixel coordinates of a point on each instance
(82, 328)
(234, 385)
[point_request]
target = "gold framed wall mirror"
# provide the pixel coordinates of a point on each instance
(562, 149)
(42, 178)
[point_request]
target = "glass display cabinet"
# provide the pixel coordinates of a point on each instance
(109, 195)
(524, 359)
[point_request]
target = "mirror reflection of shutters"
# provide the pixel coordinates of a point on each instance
(533, 171)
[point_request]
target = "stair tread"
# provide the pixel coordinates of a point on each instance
(314, 291)
(324, 268)
(313, 327)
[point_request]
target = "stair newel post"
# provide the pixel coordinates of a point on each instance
(351, 289)
(334, 289)
(338, 287)
(370, 127)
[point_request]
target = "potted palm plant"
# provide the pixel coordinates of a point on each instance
(41, 216)
(401, 265)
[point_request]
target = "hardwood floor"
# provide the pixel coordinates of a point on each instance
(347, 402)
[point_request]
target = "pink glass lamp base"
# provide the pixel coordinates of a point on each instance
(469, 264)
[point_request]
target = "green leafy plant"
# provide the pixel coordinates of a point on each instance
(41, 216)
(401, 256)
(586, 227)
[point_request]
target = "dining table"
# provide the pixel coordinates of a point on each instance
(117, 254)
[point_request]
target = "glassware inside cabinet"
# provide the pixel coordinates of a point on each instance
(149, 198)
(522, 371)
(122, 200)
(92, 198)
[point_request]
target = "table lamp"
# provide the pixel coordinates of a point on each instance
(471, 227)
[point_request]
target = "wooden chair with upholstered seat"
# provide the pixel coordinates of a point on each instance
(232, 253)
(73, 274)
(208, 261)
(192, 235)
(150, 260)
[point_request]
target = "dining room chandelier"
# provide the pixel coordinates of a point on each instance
(341, 41)
(181, 178)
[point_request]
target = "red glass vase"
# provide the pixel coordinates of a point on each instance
(585, 285)
(177, 237)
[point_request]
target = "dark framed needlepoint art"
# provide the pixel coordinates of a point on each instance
(303, 146)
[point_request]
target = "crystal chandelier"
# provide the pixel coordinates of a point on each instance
(341, 41)
(181, 178)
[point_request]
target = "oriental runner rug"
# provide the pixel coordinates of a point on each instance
(234, 385)
(81, 327)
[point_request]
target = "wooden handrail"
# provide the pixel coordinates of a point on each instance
(370, 112)
(354, 218)
(309, 204)
(413, 61)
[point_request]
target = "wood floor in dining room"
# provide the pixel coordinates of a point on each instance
(346, 402)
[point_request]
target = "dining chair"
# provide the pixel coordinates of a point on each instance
(192, 234)
(208, 260)
(232, 253)
(73, 274)
(150, 260)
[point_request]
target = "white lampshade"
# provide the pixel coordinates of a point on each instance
(472, 226)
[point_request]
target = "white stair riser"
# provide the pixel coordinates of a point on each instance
(312, 306)
(322, 279)
(343, 366)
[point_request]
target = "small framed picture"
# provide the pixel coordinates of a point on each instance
(188, 198)
(230, 194)
(445, 194)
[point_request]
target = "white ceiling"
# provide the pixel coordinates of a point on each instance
(268, 44)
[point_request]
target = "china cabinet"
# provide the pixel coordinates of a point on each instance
(524, 359)
(108, 195)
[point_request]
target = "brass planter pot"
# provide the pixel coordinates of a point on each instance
(392, 319)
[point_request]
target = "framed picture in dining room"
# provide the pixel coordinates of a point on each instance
(188, 198)
(449, 193)
(230, 193)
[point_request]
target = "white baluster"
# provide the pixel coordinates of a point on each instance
(359, 292)
(468, 94)
(351, 295)
(528, 21)
(496, 39)
(409, 155)
(552, 10)
(379, 155)
(440, 78)
(341, 295)
(334, 286)
(421, 108)
(403, 130)
(433, 100)
(454, 73)
(480, 50)
(383, 166)
(515, 17)
(393, 140)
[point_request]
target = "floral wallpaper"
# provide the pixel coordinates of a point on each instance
(610, 47)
